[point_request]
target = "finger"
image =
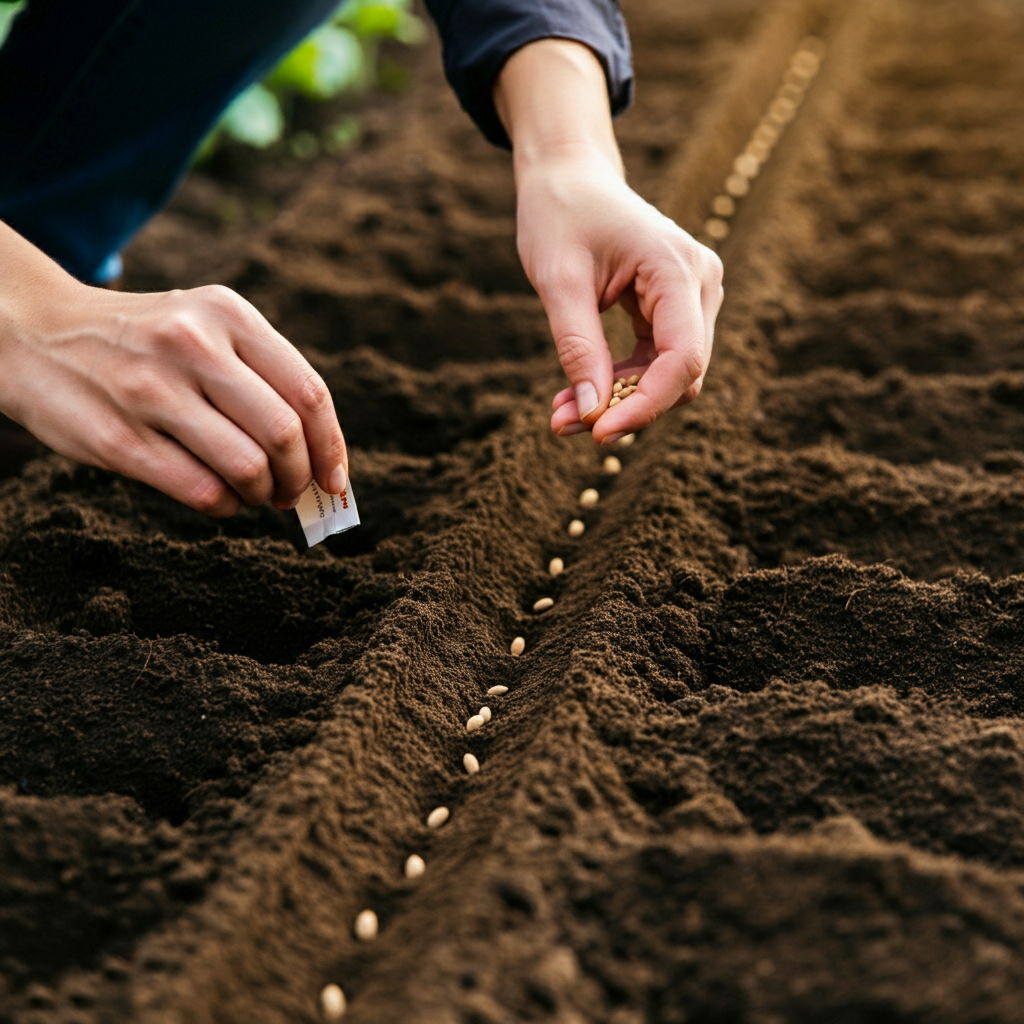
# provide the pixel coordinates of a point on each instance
(571, 306)
(226, 449)
(565, 420)
(563, 396)
(255, 407)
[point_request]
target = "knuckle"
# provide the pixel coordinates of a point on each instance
(249, 471)
(573, 352)
(141, 387)
(285, 431)
(314, 395)
(693, 367)
(220, 297)
(182, 339)
(212, 497)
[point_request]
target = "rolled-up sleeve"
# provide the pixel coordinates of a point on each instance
(480, 35)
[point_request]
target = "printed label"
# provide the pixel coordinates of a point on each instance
(322, 515)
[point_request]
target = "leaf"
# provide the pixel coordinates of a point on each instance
(322, 65)
(254, 118)
(8, 12)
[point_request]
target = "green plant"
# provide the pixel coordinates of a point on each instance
(8, 12)
(340, 56)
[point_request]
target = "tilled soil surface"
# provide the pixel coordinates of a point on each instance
(763, 761)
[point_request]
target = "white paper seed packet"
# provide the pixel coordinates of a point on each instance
(323, 515)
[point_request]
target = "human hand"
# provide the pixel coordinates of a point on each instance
(192, 391)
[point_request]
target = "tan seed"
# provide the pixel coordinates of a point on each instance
(556, 567)
(737, 185)
(627, 440)
(518, 646)
(614, 402)
(723, 206)
(497, 691)
(611, 465)
(589, 497)
(437, 817)
(542, 604)
(759, 150)
(635, 379)
(485, 714)
(766, 133)
(366, 926)
(475, 722)
(332, 1002)
(746, 165)
(621, 380)
(576, 528)
(470, 763)
(717, 229)
(632, 387)
(415, 865)
(616, 387)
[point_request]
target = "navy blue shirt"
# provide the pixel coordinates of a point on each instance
(103, 103)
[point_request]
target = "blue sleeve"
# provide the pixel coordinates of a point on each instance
(480, 35)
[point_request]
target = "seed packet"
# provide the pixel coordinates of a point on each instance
(322, 515)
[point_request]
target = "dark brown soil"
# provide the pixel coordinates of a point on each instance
(763, 762)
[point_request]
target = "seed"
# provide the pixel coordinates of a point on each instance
(627, 440)
(332, 1002)
(485, 714)
(746, 165)
(616, 387)
(437, 817)
(718, 229)
(635, 379)
(518, 646)
(497, 691)
(366, 926)
(415, 865)
(723, 206)
(576, 528)
(766, 133)
(621, 380)
(632, 387)
(615, 401)
(611, 465)
(792, 92)
(759, 150)
(556, 567)
(737, 185)
(782, 110)
(543, 604)
(470, 763)
(476, 722)
(589, 497)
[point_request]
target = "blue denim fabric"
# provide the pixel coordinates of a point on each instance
(103, 103)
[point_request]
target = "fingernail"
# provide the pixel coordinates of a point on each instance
(586, 398)
(338, 480)
(572, 428)
(612, 438)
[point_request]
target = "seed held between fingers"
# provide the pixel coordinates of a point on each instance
(366, 926)
(627, 440)
(576, 528)
(556, 567)
(634, 379)
(543, 604)
(475, 722)
(470, 763)
(615, 401)
(611, 466)
(589, 498)
(497, 691)
(332, 1002)
(437, 817)
(415, 866)
(518, 646)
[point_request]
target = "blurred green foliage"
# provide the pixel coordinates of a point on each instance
(8, 11)
(340, 56)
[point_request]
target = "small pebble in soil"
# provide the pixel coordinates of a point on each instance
(497, 691)
(332, 1002)
(476, 722)
(589, 498)
(576, 528)
(437, 817)
(542, 604)
(415, 865)
(611, 466)
(485, 714)
(627, 440)
(556, 567)
(470, 763)
(366, 926)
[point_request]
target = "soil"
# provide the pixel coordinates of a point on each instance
(762, 762)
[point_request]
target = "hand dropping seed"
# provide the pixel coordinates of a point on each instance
(556, 567)
(519, 644)
(366, 926)
(470, 763)
(437, 817)
(476, 722)
(332, 1002)
(543, 604)
(611, 466)
(497, 691)
(576, 528)
(589, 498)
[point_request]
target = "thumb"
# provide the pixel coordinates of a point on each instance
(572, 309)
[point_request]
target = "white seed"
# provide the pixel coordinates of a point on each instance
(485, 714)
(737, 185)
(611, 465)
(542, 604)
(589, 498)
(627, 440)
(476, 722)
(576, 528)
(366, 926)
(470, 763)
(332, 1002)
(518, 646)
(723, 206)
(437, 817)
(556, 567)
(617, 387)
(621, 380)
(615, 401)
(632, 387)
(635, 379)
(497, 691)
(415, 865)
